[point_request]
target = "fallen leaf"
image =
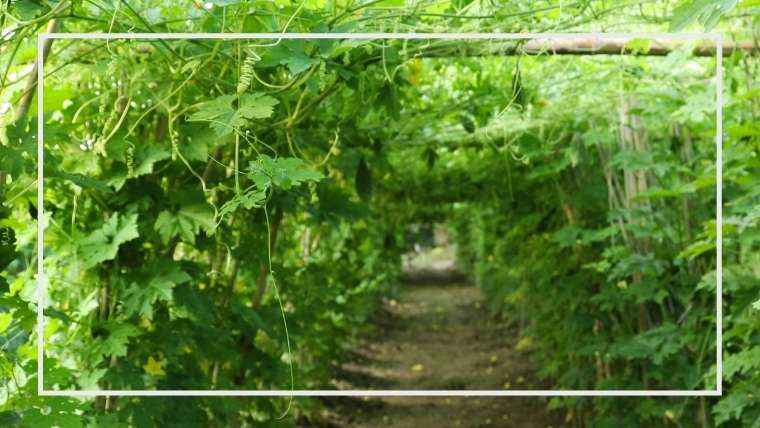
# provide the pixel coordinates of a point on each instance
(418, 367)
(524, 344)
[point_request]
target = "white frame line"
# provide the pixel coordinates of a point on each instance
(715, 37)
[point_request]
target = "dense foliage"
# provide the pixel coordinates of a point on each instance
(610, 216)
(228, 214)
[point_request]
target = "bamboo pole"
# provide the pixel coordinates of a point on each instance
(582, 46)
(26, 99)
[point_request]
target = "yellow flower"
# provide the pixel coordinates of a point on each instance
(154, 367)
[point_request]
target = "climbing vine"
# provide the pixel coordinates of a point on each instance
(230, 214)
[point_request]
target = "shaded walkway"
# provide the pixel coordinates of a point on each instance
(438, 336)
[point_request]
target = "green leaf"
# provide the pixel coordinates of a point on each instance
(185, 223)
(12, 161)
(191, 302)
(632, 160)
(655, 344)
(196, 148)
(7, 246)
(744, 361)
(567, 236)
(638, 45)
(143, 160)
(284, 173)
(225, 114)
(299, 62)
(103, 244)
(731, 406)
(707, 12)
(589, 236)
(146, 155)
(84, 181)
(266, 172)
(696, 249)
(115, 343)
(646, 291)
(9, 418)
(13, 337)
(140, 298)
(291, 172)
(89, 378)
(251, 198)
(291, 53)
(28, 9)
(57, 314)
(256, 106)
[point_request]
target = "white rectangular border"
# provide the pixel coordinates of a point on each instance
(715, 37)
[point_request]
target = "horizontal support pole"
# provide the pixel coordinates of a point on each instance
(584, 46)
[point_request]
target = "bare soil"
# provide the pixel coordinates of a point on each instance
(440, 337)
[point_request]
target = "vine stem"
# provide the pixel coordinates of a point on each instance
(237, 163)
(282, 312)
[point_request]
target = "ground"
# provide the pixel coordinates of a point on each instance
(440, 336)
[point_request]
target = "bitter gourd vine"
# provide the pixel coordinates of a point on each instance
(231, 214)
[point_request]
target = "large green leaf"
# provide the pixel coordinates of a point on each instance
(103, 244)
(185, 223)
(706, 12)
(227, 112)
(116, 340)
(161, 279)
(281, 172)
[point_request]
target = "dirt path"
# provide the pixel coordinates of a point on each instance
(440, 337)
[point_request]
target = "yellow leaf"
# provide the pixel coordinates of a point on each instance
(146, 324)
(415, 70)
(524, 344)
(154, 367)
(418, 367)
